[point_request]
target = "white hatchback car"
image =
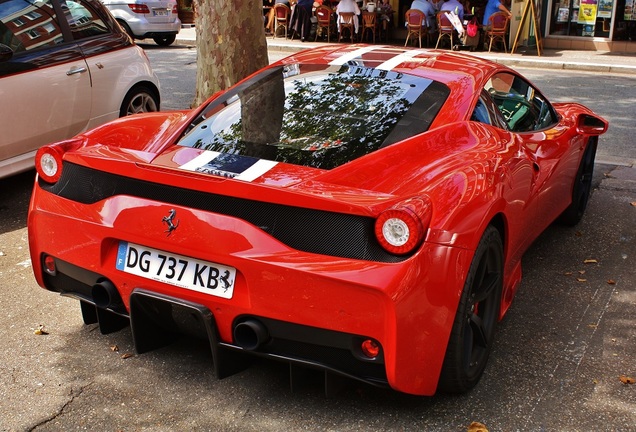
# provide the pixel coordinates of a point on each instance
(147, 19)
(65, 67)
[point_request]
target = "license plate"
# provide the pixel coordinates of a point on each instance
(177, 270)
(159, 12)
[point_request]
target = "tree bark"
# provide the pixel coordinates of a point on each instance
(230, 43)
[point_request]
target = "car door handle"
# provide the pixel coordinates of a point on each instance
(75, 70)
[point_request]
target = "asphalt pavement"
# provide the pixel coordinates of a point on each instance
(590, 61)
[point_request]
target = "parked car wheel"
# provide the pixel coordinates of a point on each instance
(582, 187)
(473, 331)
(164, 40)
(139, 99)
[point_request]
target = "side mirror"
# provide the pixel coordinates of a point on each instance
(590, 125)
(5, 53)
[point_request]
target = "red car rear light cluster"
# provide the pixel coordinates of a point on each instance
(175, 11)
(48, 159)
(403, 227)
(139, 8)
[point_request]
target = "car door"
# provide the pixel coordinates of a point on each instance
(45, 85)
(544, 143)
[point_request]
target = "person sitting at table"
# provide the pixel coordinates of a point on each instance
(348, 6)
(386, 14)
(453, 6)
(491, 7)
(271, 17)
(428, 10)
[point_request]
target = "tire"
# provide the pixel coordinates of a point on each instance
(139, 99)
(164, 40)
(473, 331)
(582, 186)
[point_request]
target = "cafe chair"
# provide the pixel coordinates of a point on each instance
(347, 24)
(498, 29)
(281, 18)
(369, 24)
(445, 29)
(415, 26)
(324, 20)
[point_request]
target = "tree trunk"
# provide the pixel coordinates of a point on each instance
(230, 42)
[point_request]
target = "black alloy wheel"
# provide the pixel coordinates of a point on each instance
(582, 186)
(473, 331)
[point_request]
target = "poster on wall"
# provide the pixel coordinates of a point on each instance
(587, 12)
(604, 9)
(629, 10)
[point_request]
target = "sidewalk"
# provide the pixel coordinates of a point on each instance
(591, 61)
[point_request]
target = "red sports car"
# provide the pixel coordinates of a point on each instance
(360, 210)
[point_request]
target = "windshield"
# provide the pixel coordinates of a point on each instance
(320, 116)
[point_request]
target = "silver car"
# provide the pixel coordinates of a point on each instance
(65, 67)
(145, 19)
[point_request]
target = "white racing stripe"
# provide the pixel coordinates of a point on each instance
(400, 58)
(351, 56)
(243, 168)
(256, 170)
(200, 160)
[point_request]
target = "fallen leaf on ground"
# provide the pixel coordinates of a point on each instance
(590, 261)
(633, 203)
(627, 380)
(40, 331)
(611, 282)
(477, 427)
(114, 348)
(127, 355)
(568, 273)
(581, 280)
(581, 271)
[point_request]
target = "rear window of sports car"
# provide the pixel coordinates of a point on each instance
(320, 116)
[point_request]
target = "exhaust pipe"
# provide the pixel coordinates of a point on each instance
(105, 295)
(250, 334)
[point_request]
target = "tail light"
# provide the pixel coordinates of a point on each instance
(139, 8)
(175, 11)
(403, 227)
(48, 159)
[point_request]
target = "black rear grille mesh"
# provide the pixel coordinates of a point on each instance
(315, 231)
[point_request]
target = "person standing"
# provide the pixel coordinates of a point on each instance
(300, 22)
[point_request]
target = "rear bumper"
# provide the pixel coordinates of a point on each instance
(316, 309)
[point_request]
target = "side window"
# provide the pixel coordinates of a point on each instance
(28, 25)
(522, 106)
(83, 20)
(487, 112)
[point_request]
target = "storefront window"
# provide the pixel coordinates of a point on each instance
(581, 18)
(625, 22)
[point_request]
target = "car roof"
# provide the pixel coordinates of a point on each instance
(450, 68)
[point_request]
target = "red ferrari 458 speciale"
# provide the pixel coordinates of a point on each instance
(359, 210)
